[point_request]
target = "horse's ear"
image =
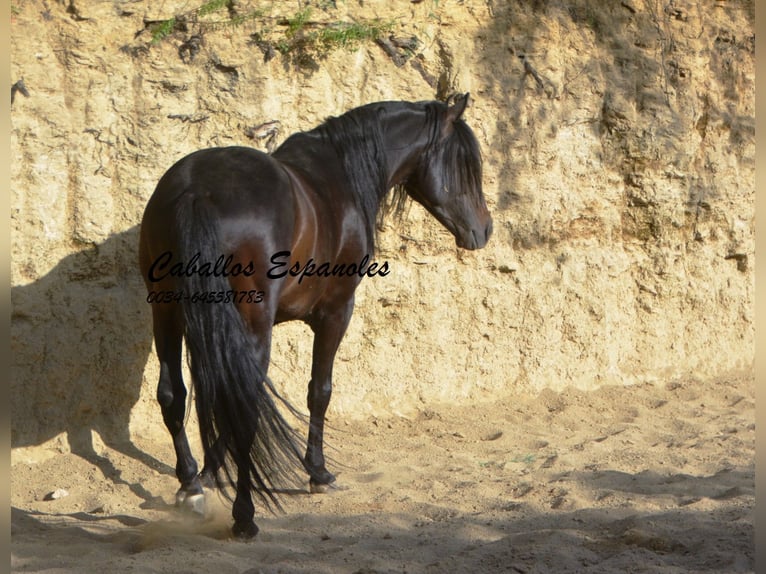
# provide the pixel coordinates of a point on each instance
(457, 105)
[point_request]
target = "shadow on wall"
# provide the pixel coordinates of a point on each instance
(80, 340)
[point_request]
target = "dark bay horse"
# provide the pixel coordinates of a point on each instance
(234, 241)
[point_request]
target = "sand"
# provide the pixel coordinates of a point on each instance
(646, 478)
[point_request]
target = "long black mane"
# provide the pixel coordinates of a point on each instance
(357, 140)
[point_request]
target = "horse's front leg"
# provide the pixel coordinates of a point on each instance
(329, 329)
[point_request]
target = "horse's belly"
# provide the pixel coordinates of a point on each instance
(303, 296)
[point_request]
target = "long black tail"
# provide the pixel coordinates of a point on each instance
(239, 421)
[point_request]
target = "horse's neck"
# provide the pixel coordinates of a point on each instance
(405, 141)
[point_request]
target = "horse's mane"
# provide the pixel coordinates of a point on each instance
(357, 139)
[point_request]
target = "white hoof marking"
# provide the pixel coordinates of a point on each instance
(196, 504)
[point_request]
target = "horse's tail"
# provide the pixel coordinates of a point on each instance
(239, 421)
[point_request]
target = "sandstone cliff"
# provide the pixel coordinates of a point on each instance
(619, 166)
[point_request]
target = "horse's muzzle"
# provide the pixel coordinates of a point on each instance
(476, 239)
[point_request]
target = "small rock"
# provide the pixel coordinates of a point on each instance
(56, 494)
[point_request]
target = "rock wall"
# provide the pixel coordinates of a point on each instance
(619, 166)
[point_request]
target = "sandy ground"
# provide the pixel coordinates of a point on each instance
(638, 479)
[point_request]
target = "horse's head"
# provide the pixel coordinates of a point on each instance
(447, 178)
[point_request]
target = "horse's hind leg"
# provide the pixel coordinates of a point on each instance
(262, 348)
(243, 509)
(171, 394)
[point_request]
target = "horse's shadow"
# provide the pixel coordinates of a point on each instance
(80, 339)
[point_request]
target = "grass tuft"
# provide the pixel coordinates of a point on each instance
(298, 37)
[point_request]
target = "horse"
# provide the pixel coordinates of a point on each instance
(234, 241)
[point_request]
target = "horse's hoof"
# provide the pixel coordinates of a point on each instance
(316, 488)
(196, 505)
(325, 486)
(320, 481)
(192, 503)
(244, 531)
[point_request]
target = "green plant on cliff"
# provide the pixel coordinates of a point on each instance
(162, 30)
(305, 40)
(198, 17)
(298, 37)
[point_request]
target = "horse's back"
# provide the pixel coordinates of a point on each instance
(219, 175)
(232, 185)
